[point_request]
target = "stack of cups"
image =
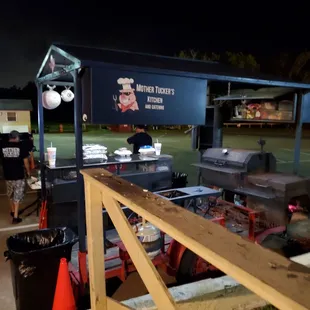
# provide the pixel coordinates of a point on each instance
(51, 156)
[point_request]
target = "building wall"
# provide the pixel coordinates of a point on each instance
(22, 119)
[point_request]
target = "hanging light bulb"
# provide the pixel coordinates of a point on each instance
(67, 95)
(50, 98)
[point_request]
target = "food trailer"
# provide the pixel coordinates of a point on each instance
(117, 87)
(134, 97)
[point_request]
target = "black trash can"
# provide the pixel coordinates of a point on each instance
(179, 179)
(35, 258)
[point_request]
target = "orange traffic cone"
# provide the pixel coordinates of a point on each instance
(63, 298)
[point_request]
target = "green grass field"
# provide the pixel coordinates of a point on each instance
(177, 144)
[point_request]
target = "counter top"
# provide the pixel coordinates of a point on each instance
(190, 192)
(112, 160)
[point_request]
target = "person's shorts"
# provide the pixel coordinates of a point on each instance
(16, 190)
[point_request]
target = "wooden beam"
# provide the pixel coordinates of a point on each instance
(95, 244)
(115, 305)
(218, 293)
(276, 279)
(147, 271)
(238, 298)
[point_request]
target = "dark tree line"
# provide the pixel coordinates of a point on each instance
(296, 67)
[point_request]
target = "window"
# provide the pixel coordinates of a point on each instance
(11, 116)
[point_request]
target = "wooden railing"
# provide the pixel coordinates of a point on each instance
(274, 278)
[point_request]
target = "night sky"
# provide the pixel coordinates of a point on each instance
(26, 31)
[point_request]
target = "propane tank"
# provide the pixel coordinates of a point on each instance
(150, 238)
(50, 98)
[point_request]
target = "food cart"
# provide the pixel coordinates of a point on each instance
(155, 101)
(116, 87)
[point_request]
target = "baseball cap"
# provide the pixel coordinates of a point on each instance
(14, 134)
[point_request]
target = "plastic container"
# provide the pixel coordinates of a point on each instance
(35, 258)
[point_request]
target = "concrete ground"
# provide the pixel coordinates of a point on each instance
(5, 218)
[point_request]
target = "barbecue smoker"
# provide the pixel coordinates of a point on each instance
(253, 174)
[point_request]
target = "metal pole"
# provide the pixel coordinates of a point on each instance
(41, 140)
(208, 103)
(79, 160)
(217, 128)
(199, 169)
(298, 133)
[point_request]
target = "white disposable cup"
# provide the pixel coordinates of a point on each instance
(51, 156)
(157, 147)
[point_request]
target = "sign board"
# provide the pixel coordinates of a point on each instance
(267, 111)
(130, 97)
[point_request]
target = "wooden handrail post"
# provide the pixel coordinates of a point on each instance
(147, 271)
(95, 244)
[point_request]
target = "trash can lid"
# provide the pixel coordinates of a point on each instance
(40, 240)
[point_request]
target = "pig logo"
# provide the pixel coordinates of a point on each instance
(127, 99)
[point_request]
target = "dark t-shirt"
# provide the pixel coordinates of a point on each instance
(12, 155)
(138, 140)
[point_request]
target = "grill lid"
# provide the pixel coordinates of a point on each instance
(233, 157)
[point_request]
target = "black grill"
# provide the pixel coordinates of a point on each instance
(227, 168)
(253, 174)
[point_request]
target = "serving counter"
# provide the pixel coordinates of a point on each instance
(153, 173)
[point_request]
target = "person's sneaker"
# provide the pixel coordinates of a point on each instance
(16, 220)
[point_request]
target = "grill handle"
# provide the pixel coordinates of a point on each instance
(261, 185)
(219, 163)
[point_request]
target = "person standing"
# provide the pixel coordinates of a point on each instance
(140, 138)
(15, 161)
